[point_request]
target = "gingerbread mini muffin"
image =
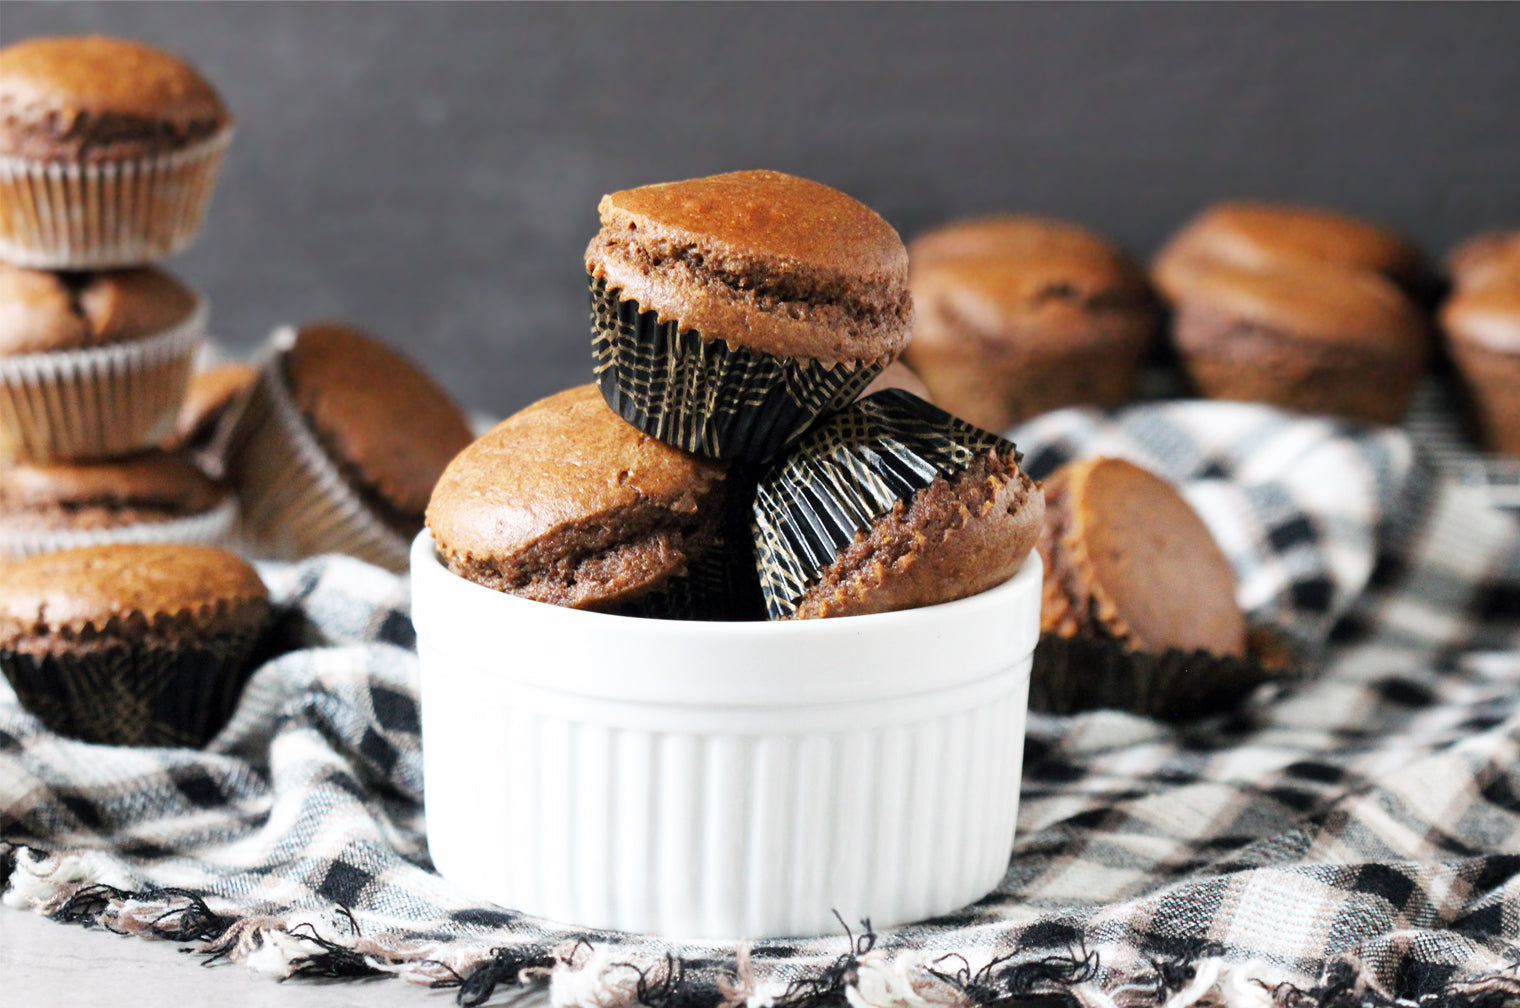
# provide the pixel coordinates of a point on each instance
(1481, 323)
(154, 496)
(1313, 338)
(1139, 609)
(891, 504)
(109, 151)
(338, 447)
(729, 312)
(1491, 257)
(210, 400)
(566, 503)
(92, 365)
(131, 644)
(1016, 316)
(1266, 235)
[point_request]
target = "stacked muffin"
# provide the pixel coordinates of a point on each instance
(1304, 309)
(108, 155)
(722, 465)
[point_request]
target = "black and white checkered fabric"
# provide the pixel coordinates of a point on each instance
(1353, 841)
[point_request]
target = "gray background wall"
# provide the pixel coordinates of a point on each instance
(432, 171)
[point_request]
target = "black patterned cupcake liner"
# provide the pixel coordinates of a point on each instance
(135, 696)
(703, 395)
(1075, 674)
(848, 472)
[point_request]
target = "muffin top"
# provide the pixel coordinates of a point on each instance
(210, 393)
(1267, 234)
(760, 259)
(385, 424)
(154, 485)
(90, 97)
(1126, 557)
(1011, 236)
(43, 312)
(1493, 256)
(1323, 304)
(127, 591)
(1484, 316)
(566, 502)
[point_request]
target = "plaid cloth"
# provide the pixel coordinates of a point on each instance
(1354, 840)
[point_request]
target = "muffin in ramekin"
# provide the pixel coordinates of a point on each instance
(131, 643)
(868, 765)
(729, 312)
(889, 504)
(109, 151)
(153, 496)
(338, 445)
(93, 365)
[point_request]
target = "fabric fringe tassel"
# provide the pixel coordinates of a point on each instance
(70, 889)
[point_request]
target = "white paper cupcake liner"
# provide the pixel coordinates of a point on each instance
(72, 215)
(97, 402)
(213, 528)
(295, 500)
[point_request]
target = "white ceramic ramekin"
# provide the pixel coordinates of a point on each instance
(721, 780)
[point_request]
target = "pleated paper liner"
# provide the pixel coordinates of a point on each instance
(97, 402)
(703, 395)
(296, 503)
(147, 696)
(849, 471)
(1074, 674)
(212, 528)
(75, 215)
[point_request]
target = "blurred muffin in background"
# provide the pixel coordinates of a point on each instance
(1019, 315)
(1490, 257)
(1316, 338)
(1481, 323)
(338, 445)
(211, 398)
(1263, 235)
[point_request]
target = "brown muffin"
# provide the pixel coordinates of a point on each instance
(101, 99)
(131, 644)
(1317, 339)
(1138, 611)
(92, 365)
(565, 503)
(43, 503)
(891, 504)
(339, 446)
(730, 311)
(1482, 327)
(109, 152)
(211, 397)
(1016, 316)
(1491, 257)
(1127, 559)
(1266, 235)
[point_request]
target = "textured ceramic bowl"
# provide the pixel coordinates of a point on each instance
(721, 780)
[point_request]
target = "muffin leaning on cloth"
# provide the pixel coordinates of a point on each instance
(154, 496)
(109, 151)
(1015, 316)
(729, 312)
(92, 364)
(338, 446)
(131, 644)
(1139, 609)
